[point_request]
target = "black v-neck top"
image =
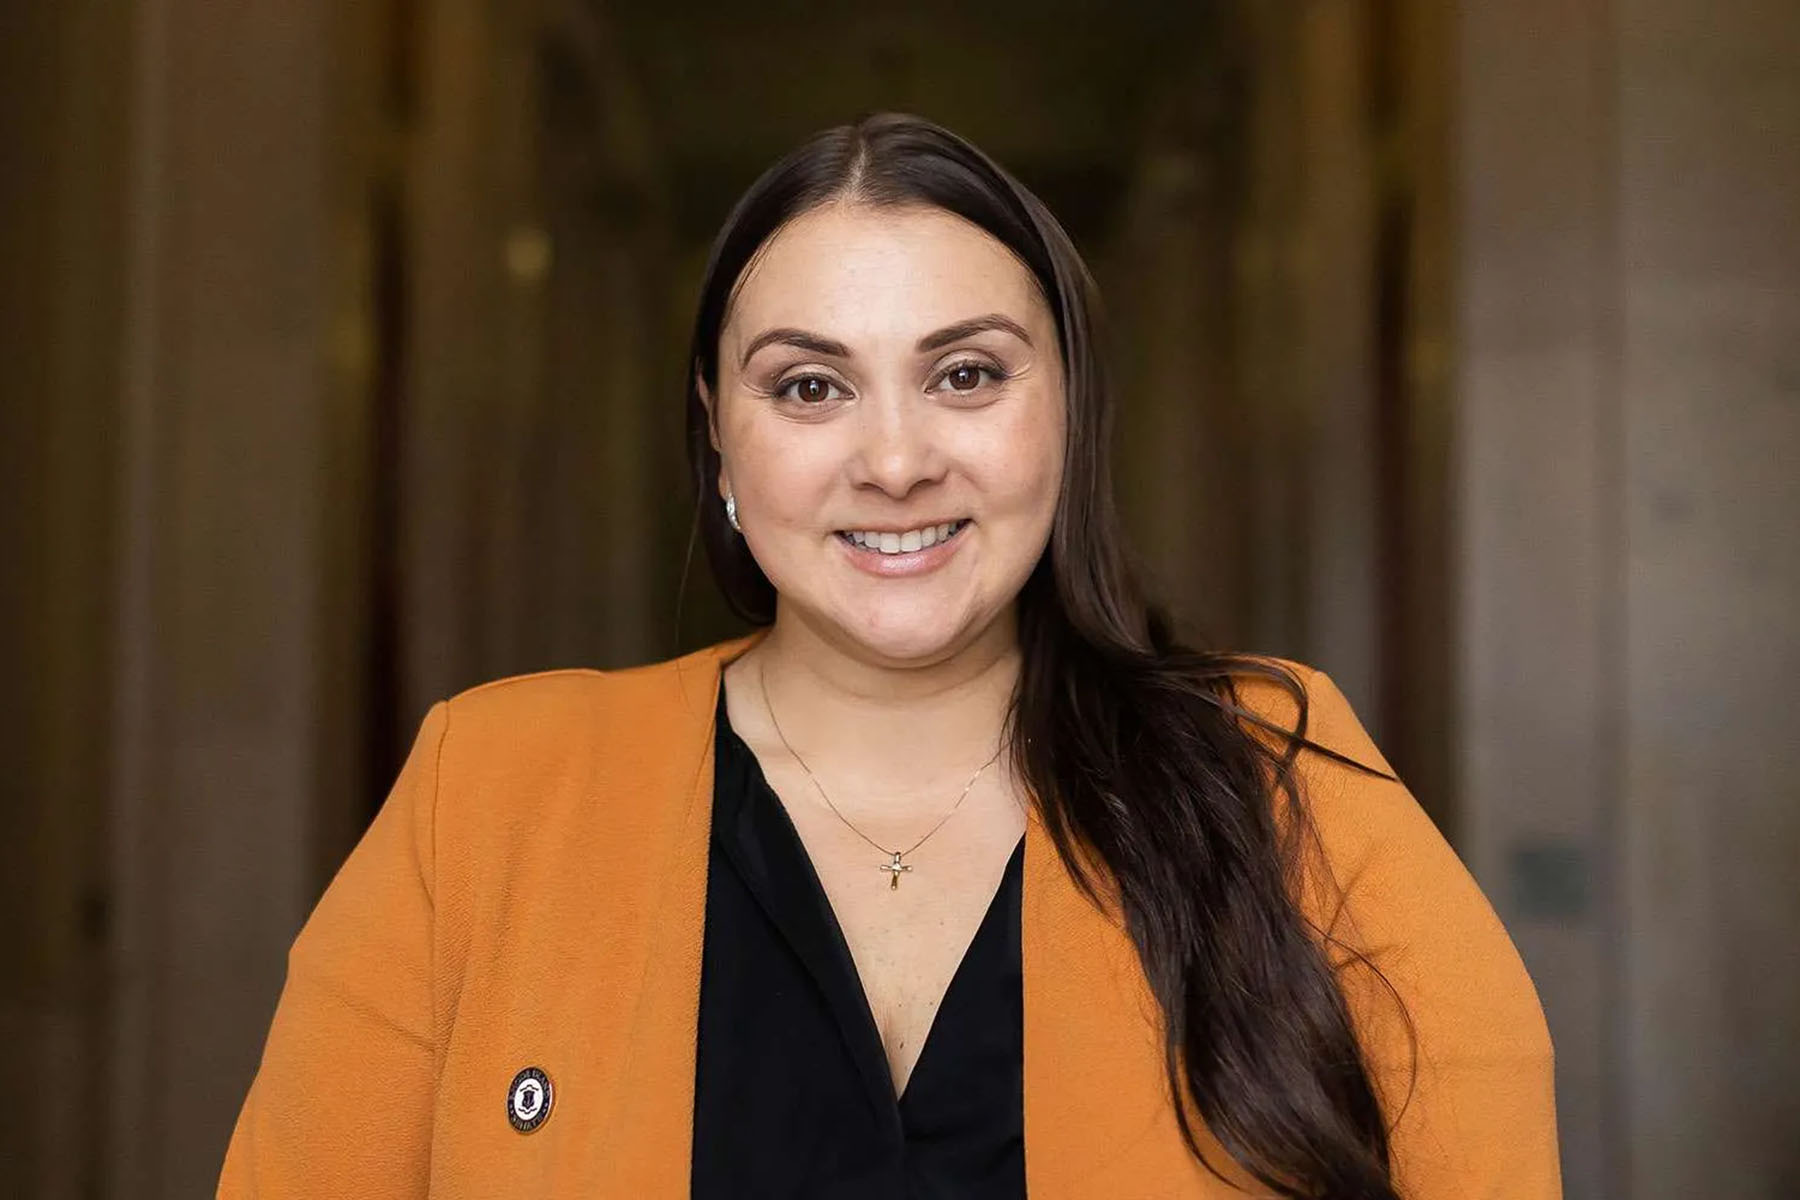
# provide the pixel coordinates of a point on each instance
(793, 1097)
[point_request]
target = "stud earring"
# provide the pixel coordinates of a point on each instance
(731, 511)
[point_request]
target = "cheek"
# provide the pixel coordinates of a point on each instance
(1021, 459)
(779, 468)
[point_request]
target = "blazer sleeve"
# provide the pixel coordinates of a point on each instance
(341, 1104)
(1449, 1020)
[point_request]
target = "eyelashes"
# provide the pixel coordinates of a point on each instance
(963, 377)
(801, 385)
(956, 371)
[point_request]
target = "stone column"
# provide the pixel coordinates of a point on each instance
(1708, 115)
(1540, 555)
(1630, 425)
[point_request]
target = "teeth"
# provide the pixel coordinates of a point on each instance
(903, 543)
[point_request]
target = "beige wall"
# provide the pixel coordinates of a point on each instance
(1709, 269)
(1539, 527)
(1630, 374)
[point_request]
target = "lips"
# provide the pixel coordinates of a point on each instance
(910, 541)
(884, 553)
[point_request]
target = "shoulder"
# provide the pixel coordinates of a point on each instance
(571, 708)
(1361, 813)
(1352, 799)
(1289, 696)
(574, 693)
(1393, 893)
(546, 782)
(526, 755)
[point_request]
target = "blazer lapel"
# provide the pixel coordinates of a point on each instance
(1099, 1117)
(1093, 1084)
(649, 1146)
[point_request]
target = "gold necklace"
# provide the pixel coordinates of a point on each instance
(895, 867)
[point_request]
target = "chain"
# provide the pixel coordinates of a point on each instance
(763, 683)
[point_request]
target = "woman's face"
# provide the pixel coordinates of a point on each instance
(890, 417)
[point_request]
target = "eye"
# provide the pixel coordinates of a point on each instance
(968, 376)
(809, 389)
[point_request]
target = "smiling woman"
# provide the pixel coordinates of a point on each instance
(887, 373)
(1169, 925)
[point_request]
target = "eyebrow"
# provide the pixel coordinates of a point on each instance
(793, 337)
(969, 328)
(936, 340)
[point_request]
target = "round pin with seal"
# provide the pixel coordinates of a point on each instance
(528, 1100)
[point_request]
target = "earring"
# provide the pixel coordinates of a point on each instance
(731, 511)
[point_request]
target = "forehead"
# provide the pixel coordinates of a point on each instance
(854, 271)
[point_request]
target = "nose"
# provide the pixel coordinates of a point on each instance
(897, 448)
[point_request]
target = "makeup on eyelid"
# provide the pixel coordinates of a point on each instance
(990, 375)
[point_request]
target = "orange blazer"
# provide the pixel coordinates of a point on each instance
(532, 895)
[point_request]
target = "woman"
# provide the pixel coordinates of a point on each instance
(951, 878)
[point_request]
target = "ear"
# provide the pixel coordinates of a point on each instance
(712, 427)
(706, 402)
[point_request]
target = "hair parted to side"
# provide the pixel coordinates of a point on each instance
(1161, 801)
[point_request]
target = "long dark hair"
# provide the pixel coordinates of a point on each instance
(1134, 746)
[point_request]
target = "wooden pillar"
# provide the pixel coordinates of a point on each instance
(1336, 330)
(1281, 276)
(610, 503)
(531, 514)
(228, 672)
(63, 119)
(1183, 448)
(1306, 324)
(469, 393)
(1414, 280)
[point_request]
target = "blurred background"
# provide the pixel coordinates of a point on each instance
(340, 359)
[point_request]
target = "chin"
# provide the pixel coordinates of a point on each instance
(910, 637)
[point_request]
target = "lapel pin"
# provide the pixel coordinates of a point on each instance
(528, 1100)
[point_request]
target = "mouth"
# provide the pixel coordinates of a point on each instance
(903, 553)
(892, 543)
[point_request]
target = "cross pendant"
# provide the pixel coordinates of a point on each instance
(893, 869)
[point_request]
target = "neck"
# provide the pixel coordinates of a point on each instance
(871, 725)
